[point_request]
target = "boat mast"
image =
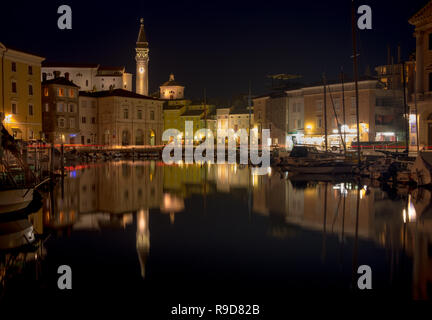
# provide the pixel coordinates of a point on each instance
(415, 105)
(325, 111)
(343, 103)
(406, 116)
(354, 35)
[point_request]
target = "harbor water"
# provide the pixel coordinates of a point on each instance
(188, 232)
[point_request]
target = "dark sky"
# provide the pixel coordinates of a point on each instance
(219, 45)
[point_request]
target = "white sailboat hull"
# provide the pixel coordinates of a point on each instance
(15, 199)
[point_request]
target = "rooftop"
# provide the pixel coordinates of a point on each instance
(116, 93)
(60, 81)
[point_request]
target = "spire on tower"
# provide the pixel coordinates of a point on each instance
(142, 39)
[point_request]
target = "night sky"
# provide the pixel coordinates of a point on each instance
(217, 45)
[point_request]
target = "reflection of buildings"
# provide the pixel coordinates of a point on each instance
(143, 238)
(110, 195)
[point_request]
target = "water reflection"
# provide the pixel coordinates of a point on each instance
(118, 195)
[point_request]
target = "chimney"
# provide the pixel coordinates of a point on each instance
(67, 75)
(44, 76)
(56, 74)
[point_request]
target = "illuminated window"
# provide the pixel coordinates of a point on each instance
(46, 107)
(60, 92)
(71, 93)
(46, 91)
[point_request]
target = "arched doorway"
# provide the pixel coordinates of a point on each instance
(139, 137)
(125, 138)
(152, 138)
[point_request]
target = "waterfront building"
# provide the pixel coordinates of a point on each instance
(90, 77)
(423, 77)
(380, 113)
(271, 112)
(20, 93)
(60, 114)
(297, 116)
(88, 121)
(125, 118)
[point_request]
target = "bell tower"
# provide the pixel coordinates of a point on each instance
(142, 59)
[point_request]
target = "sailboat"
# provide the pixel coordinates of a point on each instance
(17, 181)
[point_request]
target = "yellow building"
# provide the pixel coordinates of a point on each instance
(20, 93)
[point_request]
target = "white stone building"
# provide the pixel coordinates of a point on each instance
(90, 77)
(125, 118)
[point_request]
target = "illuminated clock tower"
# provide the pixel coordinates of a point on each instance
(142, 59)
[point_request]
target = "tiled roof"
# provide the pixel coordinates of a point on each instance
(61, 81)
(116, 93)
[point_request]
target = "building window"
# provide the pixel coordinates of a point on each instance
(13, 66)
(30, 70)
(83, 120)
(72, 123)
(14, 108)
(14, 87)
(71, 93)
(430, 41)
(125, 113)
(60, 92)
(46, 91)
(319, 106)
(30, 89)
(46, 107)
(319, 122)
(59, 106)
(71, 107)
(93, 120)
(86, 83)
(139, 114)
(61, 122)
(152, 115)
(30, 109)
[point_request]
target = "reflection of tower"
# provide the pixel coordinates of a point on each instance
(143, 238)
(142, 59)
